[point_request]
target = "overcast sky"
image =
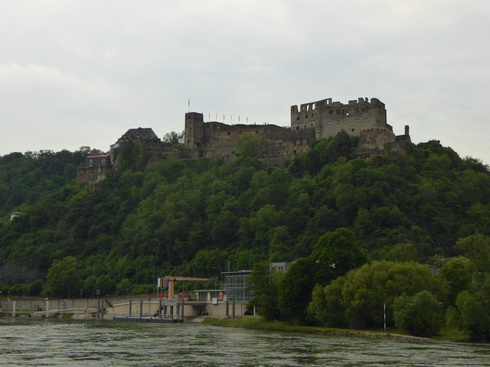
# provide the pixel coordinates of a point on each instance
(81, 73)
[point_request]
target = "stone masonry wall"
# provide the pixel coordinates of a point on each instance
(278, 143)
(361, 118)
(322, 119)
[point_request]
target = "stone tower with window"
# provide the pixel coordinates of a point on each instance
(363, 118)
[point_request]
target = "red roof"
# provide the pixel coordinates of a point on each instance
(96, 154)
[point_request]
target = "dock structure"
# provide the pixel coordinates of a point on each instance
(176, 311)
(158, 320)
(183, 308)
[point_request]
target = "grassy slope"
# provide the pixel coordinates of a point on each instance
(258, 323)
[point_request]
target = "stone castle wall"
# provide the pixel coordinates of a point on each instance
(278, 143)
(322, 119)
(363, 118)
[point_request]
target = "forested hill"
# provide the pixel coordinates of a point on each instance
(200, 217)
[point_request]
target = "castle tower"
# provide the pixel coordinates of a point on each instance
(356, 118)
(194, 129)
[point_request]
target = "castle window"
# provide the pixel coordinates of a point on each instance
(297, 118)
(297, 127)
(329, 122)
(358, 120)
(306, 116)
(330, 112)
(366, 119)
(338, 112)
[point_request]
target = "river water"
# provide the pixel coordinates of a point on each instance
(27, 342)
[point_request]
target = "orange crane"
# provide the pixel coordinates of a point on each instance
(169, 282)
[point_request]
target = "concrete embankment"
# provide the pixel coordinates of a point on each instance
(108, 308)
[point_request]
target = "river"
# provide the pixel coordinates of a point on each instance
(28, 342)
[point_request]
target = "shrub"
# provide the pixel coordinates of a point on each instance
(420, 315)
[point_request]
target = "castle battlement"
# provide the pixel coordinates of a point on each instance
(365, 118)
(328, 118)
(329, 103)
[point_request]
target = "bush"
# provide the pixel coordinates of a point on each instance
(420, 315)
(35, 288)
(20, 290)
(475, 313)
(143, 289)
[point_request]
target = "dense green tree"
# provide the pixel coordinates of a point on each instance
(474, 308)
(402, 252)
(420, 314)
(476, 248)
(295, 289)
(459, 273)
(357, 299)
(171, 138)
(265, 283)
(335, 253)
(248, 145)
(35, 288)
(105, 284)
(63, 277)
(196, 216)
(20, 290)
(124, 287)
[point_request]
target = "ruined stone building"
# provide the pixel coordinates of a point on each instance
(363, 118)
(98, 165)
(95, 168)
(366, 119)
(142, 134)
(219, 140)
(320, 120)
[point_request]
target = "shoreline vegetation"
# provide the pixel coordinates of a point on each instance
(258, 323)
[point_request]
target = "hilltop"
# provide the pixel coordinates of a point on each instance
(196, 216)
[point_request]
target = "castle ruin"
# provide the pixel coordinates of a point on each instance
(319, 120)
(312, 121)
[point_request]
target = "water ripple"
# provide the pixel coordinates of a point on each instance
(107, 343)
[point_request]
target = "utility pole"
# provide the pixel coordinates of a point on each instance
(384, 315)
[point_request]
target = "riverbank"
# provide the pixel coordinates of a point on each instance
(258, 323)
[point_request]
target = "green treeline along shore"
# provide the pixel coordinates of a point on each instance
(401, 239)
